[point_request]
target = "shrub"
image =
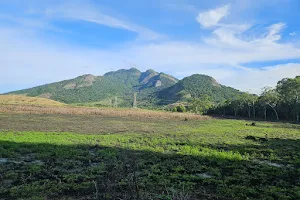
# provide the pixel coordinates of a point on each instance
(174, 109)
(181, 108)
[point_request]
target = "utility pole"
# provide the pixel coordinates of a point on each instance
(254, 109)
(297, 111)
(134, 100)
(116, 101)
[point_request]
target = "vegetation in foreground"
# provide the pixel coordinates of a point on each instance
(41, 157)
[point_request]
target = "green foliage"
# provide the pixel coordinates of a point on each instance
(178, 160)
(181, 108)
(289, 90)
(269, 96)
(277, 103)
(200, 105)
(154, 89)
(88, 89)
(174, 109)
(289, 94)
(194, 87)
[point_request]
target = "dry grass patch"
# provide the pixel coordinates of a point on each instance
(68, 110)
(25, 100)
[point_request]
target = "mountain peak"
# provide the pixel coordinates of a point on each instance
(161, 87)
(134, 70)
(203, 77)
(85, 80)
(151, 71)
(146, 76)
(195, 86)
(85, 75)
(124, 71)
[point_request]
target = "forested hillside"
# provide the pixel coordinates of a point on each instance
(196, 93)
(121, 84)
(197, 86)
(118, 88)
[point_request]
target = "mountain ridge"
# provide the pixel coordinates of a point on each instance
(153, 88)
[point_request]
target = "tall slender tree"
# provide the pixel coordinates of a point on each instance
(269, 97)
(289, 91)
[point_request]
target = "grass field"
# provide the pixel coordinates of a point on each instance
(64, 156)
(115, 112)
(24, 100)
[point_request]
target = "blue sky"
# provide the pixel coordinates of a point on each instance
(245, 44)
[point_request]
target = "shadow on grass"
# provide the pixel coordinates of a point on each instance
(47, 171)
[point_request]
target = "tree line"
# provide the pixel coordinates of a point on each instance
(278, 103)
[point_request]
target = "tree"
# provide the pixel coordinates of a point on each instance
(289, 91)
(269, 97)
(253, 99)
(225, 105)
(249, 101)
(200, 105)
(282, 101)
(237, 104)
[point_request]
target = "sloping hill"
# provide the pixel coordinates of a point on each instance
(88, 88)
(153, 88)
(80, 89)
(21, 99)
(196, 86)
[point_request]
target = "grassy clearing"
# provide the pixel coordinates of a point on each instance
(25, 100)
(49, 156)
(109, 112)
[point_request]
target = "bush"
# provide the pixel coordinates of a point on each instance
(181, 108)
(174, 109)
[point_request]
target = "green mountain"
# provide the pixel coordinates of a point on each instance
(152, 88)
(88, 88)
(196, 86)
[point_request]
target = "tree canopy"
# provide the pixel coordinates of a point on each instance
(278, 103)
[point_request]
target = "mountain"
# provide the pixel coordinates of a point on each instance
(89, 88)
(196, 86)
(152, 88)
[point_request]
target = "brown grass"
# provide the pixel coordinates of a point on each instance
(112, 112)
(24, 100)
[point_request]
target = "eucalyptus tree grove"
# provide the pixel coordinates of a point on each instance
(279, 103)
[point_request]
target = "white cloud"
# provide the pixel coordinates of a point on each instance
(88, 12)
(234, 36)
(254, 79)
(212, 17)
(31, 23)
(34, 62)
(30, 60)
(26, 60)
(293, 34)
(274, 31)
(248, 79)
(232, 40)
(227, 36)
